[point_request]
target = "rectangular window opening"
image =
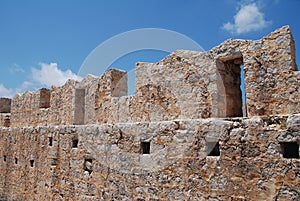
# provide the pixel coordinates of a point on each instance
(145, 147)
(243, 90)
(31, 163)
(290, 149)
(50, 141)
(54, 161)
(213, 148)
(232, 91)
(75, 142)
(16, 160)
(4, 158)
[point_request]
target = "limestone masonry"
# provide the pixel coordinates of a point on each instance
(186, 133)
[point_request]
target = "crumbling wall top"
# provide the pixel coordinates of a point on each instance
(185, 84)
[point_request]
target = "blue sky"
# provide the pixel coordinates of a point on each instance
(46, 42)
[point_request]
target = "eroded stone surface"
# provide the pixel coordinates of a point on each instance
(184, 85)
(108, 164)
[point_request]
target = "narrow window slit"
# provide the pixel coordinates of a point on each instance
(145, 147)
(31, 163)
(75, 142)
(232, 87)
(50, 141)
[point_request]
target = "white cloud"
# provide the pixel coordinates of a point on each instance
(50, 74)
(47, 75)
(15, 68)
(248, 18)
(5, 92)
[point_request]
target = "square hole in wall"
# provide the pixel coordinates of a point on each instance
(4, 158)
(16, 160)
(54, 161)
(145, 147)
(213, 148)
(289, 149)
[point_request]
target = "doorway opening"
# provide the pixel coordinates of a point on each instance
(232, 94)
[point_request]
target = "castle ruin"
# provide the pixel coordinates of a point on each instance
(186, 133)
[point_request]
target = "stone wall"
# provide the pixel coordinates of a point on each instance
(185, 84)
(189, 84)
(26, 110)
(271, 76)
(112, 83)
(181, 136)
(204, 159)
(44, 107)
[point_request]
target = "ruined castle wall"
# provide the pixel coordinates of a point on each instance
(189, 84)
(111, 162)
(91, 86)
(26, 110)
(271, 76)
(112, 83)
(177, 87)
(62, 104)
(277, 66)
(44, 107)
(185, 84)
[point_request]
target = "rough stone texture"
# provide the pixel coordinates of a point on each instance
(185, 84)
(107, 163)
(181, 136)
